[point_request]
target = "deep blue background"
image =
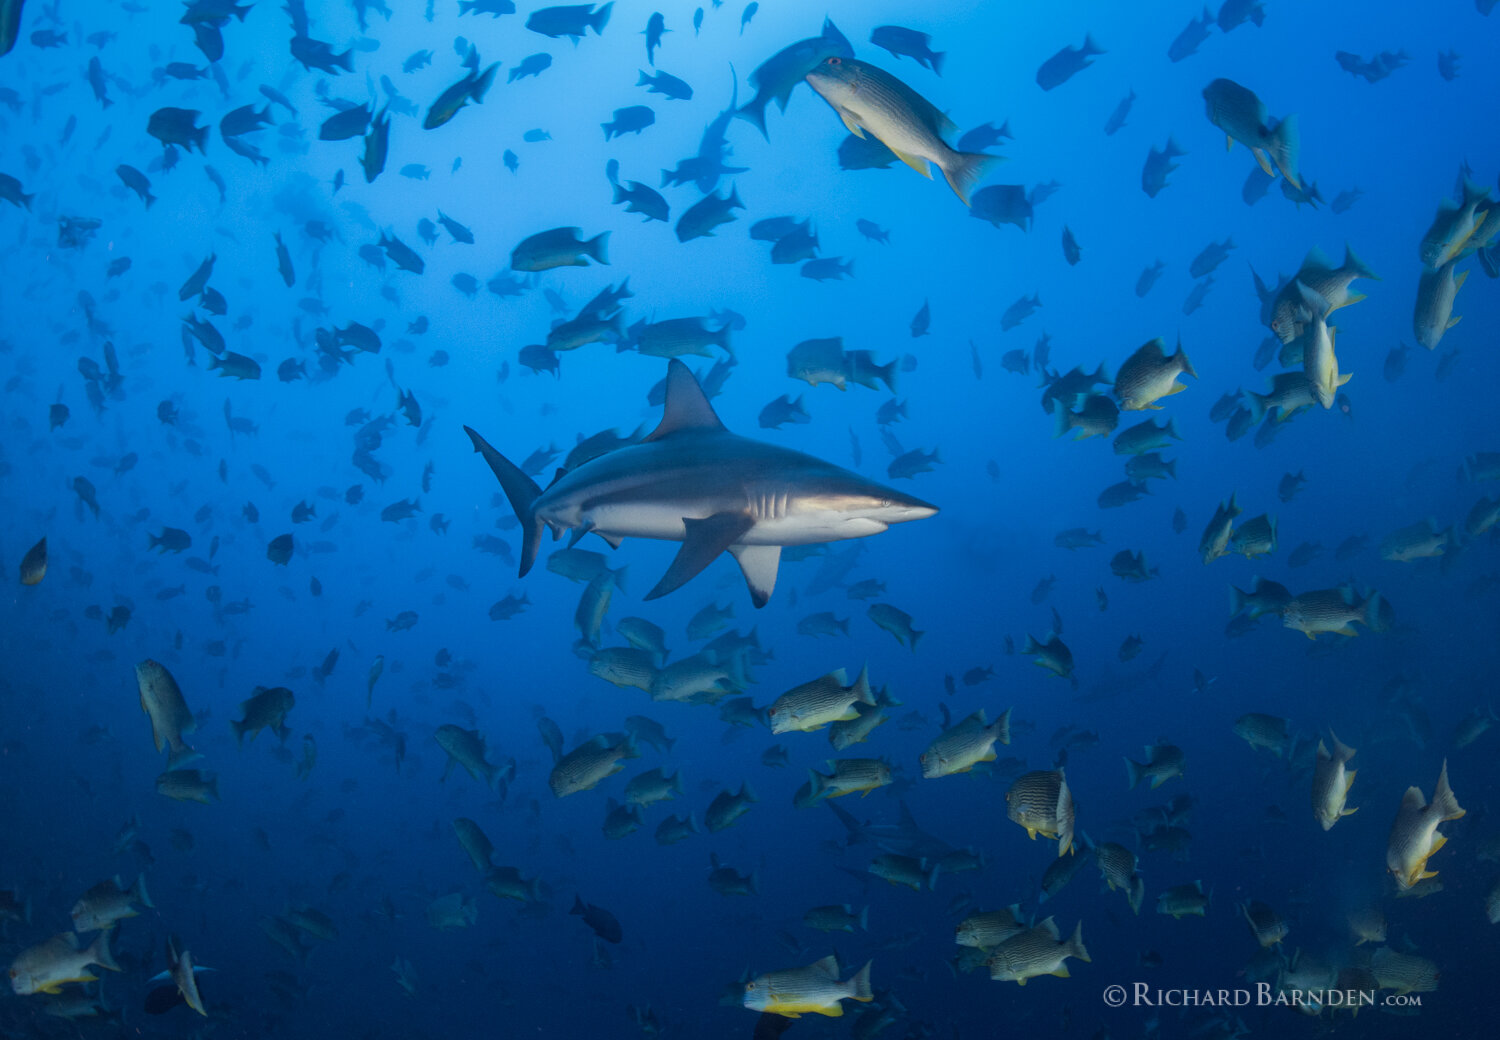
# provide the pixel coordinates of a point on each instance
(965, 575)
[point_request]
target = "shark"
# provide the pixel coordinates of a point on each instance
(692, 481)
(903, 838)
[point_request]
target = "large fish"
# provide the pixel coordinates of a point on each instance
(694, 482)
(870, 99)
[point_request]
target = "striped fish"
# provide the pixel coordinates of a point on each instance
(815, 989)
(1041, 802)
(1414, 834)
(1117, 866)
(988, 930)
(586, 765)
(624, 666)
(1331, 783)
(849, 775)
(1037, 951)
(815, 704)
(958, 749)
(1403, 972)
(1330, 610)
(1149, 375)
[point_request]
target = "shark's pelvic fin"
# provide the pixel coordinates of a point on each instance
(758, 563)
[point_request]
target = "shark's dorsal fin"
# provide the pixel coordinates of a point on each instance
(686, 406)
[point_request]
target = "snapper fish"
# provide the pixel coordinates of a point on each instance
(870, 99)
(815, 989)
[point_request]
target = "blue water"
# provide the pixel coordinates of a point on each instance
(367, 833)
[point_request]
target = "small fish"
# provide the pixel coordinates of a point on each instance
(1414, 835)
(1067, 63)
(1331, 783)
(1037, 951)
(1243, 117)
(815, 989)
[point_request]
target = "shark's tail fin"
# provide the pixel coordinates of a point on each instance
(522, 492)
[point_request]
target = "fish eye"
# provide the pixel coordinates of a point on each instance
(835, 60)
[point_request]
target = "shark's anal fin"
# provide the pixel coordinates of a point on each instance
(705, 540)
(758, 563)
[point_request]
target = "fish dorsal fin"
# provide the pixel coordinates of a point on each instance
(828, 966)
(687, 407)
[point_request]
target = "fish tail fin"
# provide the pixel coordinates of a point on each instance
(1237, 598)
(1257, 405)
(1474, 193)
(1187, 365)
(860, 985)
(815, 784)
(99, 954)
(600, 18)
(966, 168)
(1075, 944)
(937, 62)
(200, 137)
(862, 692)
(138, 893)
(1356, 267)
(1444, 798)
(239, 731)
(1001, 727)
(520, 489)
(482, 84)
(1171, 468)
(1369, 610)
(755, 113)
(597, 247)
(1132, 774)
(1286, 149)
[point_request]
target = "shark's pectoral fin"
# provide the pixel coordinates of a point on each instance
(705, 540)
(758, 563)
(614, 540)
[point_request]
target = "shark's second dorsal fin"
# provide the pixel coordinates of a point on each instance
(686, 406)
